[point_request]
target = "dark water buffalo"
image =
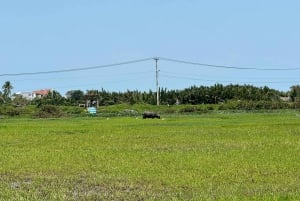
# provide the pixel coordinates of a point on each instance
(151, 115)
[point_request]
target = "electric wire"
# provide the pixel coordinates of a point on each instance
(143, 60)
(77, 69)
(162, 73)
(200, 77)
(223, 81)
(79, 76)
(226, 67)
(95, 83)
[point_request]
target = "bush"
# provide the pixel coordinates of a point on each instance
(10, 110)
(49, 111)
(170, 111)
(13, 111)
(188, 109)
(297, 104)
(222, 107)
(74, 110)
(256, 105)
(197, 109)
(210, 107)
(129, 112)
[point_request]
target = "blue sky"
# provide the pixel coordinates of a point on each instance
(62, 34)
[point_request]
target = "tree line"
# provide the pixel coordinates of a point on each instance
(193, 95)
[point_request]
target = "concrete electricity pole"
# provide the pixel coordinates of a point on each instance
(157, 86)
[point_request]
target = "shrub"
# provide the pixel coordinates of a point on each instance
(74, 110)
(210, 107)
(222, 107)
(49, 111)
(10, 110)
(170, 111)
(188, 109)
(128, 112)
(13, 111)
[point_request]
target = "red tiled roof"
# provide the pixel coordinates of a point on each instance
(42, 92)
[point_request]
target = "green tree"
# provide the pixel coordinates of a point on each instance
(295, 92)
(52, 98)
(55, 98)
(18, 100)
(75, 96)
(7, 87)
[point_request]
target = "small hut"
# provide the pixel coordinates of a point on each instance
(91, 100)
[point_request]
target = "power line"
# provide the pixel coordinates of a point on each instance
(164, 74)
(143, 60)
(226, 81)
(77, 77)
(76, 69)
(93, 84)
(198, 76)
(227, 67)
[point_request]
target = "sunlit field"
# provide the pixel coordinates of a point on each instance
(233, 156)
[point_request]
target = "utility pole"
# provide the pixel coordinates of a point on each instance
(157, 86)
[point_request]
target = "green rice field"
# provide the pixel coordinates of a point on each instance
(230, 156)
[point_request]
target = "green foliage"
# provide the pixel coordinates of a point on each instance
(49, 111)
(18, 100)
(136, 110)
(75, 96)
(9, 110)
(73, 110)
(53, 98)
(7, 87)
(295, 92)
(195, 99)
(256, 105)
(12, 110)
(194, 95)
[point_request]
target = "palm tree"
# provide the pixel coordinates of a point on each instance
(7, 87)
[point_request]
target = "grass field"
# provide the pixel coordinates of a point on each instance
(236, 156)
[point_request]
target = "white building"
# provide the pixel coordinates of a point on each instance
(35, 94)
(26, 95)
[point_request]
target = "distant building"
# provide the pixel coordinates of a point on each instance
(26, 95)
(41, 93)
(34, 94)
(285, 99)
